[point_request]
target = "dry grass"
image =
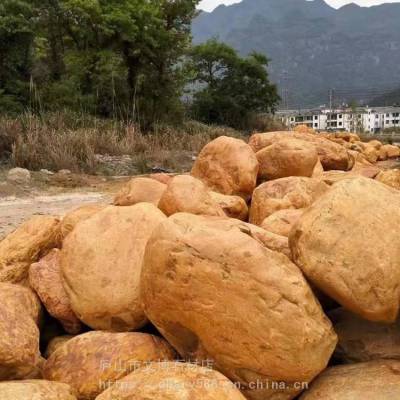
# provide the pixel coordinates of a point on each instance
(65, 141)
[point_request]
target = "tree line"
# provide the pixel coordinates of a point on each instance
(129, 59)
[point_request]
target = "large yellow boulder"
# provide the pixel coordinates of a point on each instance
(35, 390)
(284, 194)
(361, 340)
(304, 129)
(391, 151)
(375, 380)
(173, 381)
(101, 262)
(233, 206)
(228, 166)
(332, 155)
(268, 239)
(390, 177)
(27, 244)
(287, 157)
(371, 153)
(185, 193)
(218, 294)
(90, 362)
(19, 334)
(282, 221)
(140, 190)
(45, 278)
(72, 218)
(375, 143)
(347, 245)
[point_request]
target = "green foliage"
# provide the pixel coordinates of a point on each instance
(229, 89)
(16, 37)
(119, 58)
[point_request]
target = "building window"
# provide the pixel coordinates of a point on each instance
(315, 125)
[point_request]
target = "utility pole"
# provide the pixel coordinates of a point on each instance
(285, 90)
(330, 108)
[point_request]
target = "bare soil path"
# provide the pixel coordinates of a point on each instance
(18, 204)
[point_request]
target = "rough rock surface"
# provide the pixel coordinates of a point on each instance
(390, 178)
(35, 390)
(45, 278)
(101, 262)
(19, 334)
(233, 206)
(26, 245)
(19, 176)
(90, 362)
(347, 244)
(82, 213)
(228, 166)
(371, 153)
(390, 151)
(161, 177)
(287, 157)
(55, 343)
(318, 170)
(332, 155)
(283, 194)
(23, 299)
(185, 193)
(268, 239)
(220, 295)
(375, 380)
(361, 340)
(368, 171)
(282, 221)
(140, 190)
(173, 381)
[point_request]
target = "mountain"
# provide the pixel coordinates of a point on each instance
(388, 99)
(313, 47)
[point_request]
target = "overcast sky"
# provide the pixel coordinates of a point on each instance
(211, 4)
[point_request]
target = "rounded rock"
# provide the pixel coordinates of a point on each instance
(94, 360)
(187, 194)
(45, 278)
(372, 380)
(101, 263)
(347, 245)
(228, 166)
(284, 194)
(287, 157)
(35, 390)
(140, 190)
(216, 293)
(173, 381)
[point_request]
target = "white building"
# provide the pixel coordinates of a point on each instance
(365, 119)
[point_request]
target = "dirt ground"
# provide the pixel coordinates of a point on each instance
(54, 195)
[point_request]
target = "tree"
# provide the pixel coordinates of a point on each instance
(16, 40)
(110, 57)
(229, 89)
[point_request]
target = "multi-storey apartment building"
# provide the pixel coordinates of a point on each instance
(365, 119)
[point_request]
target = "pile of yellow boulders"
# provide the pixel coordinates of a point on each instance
(270, 272)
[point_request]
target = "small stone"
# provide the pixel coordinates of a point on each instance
(64, 172)
(46, 172)
(19, 175)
